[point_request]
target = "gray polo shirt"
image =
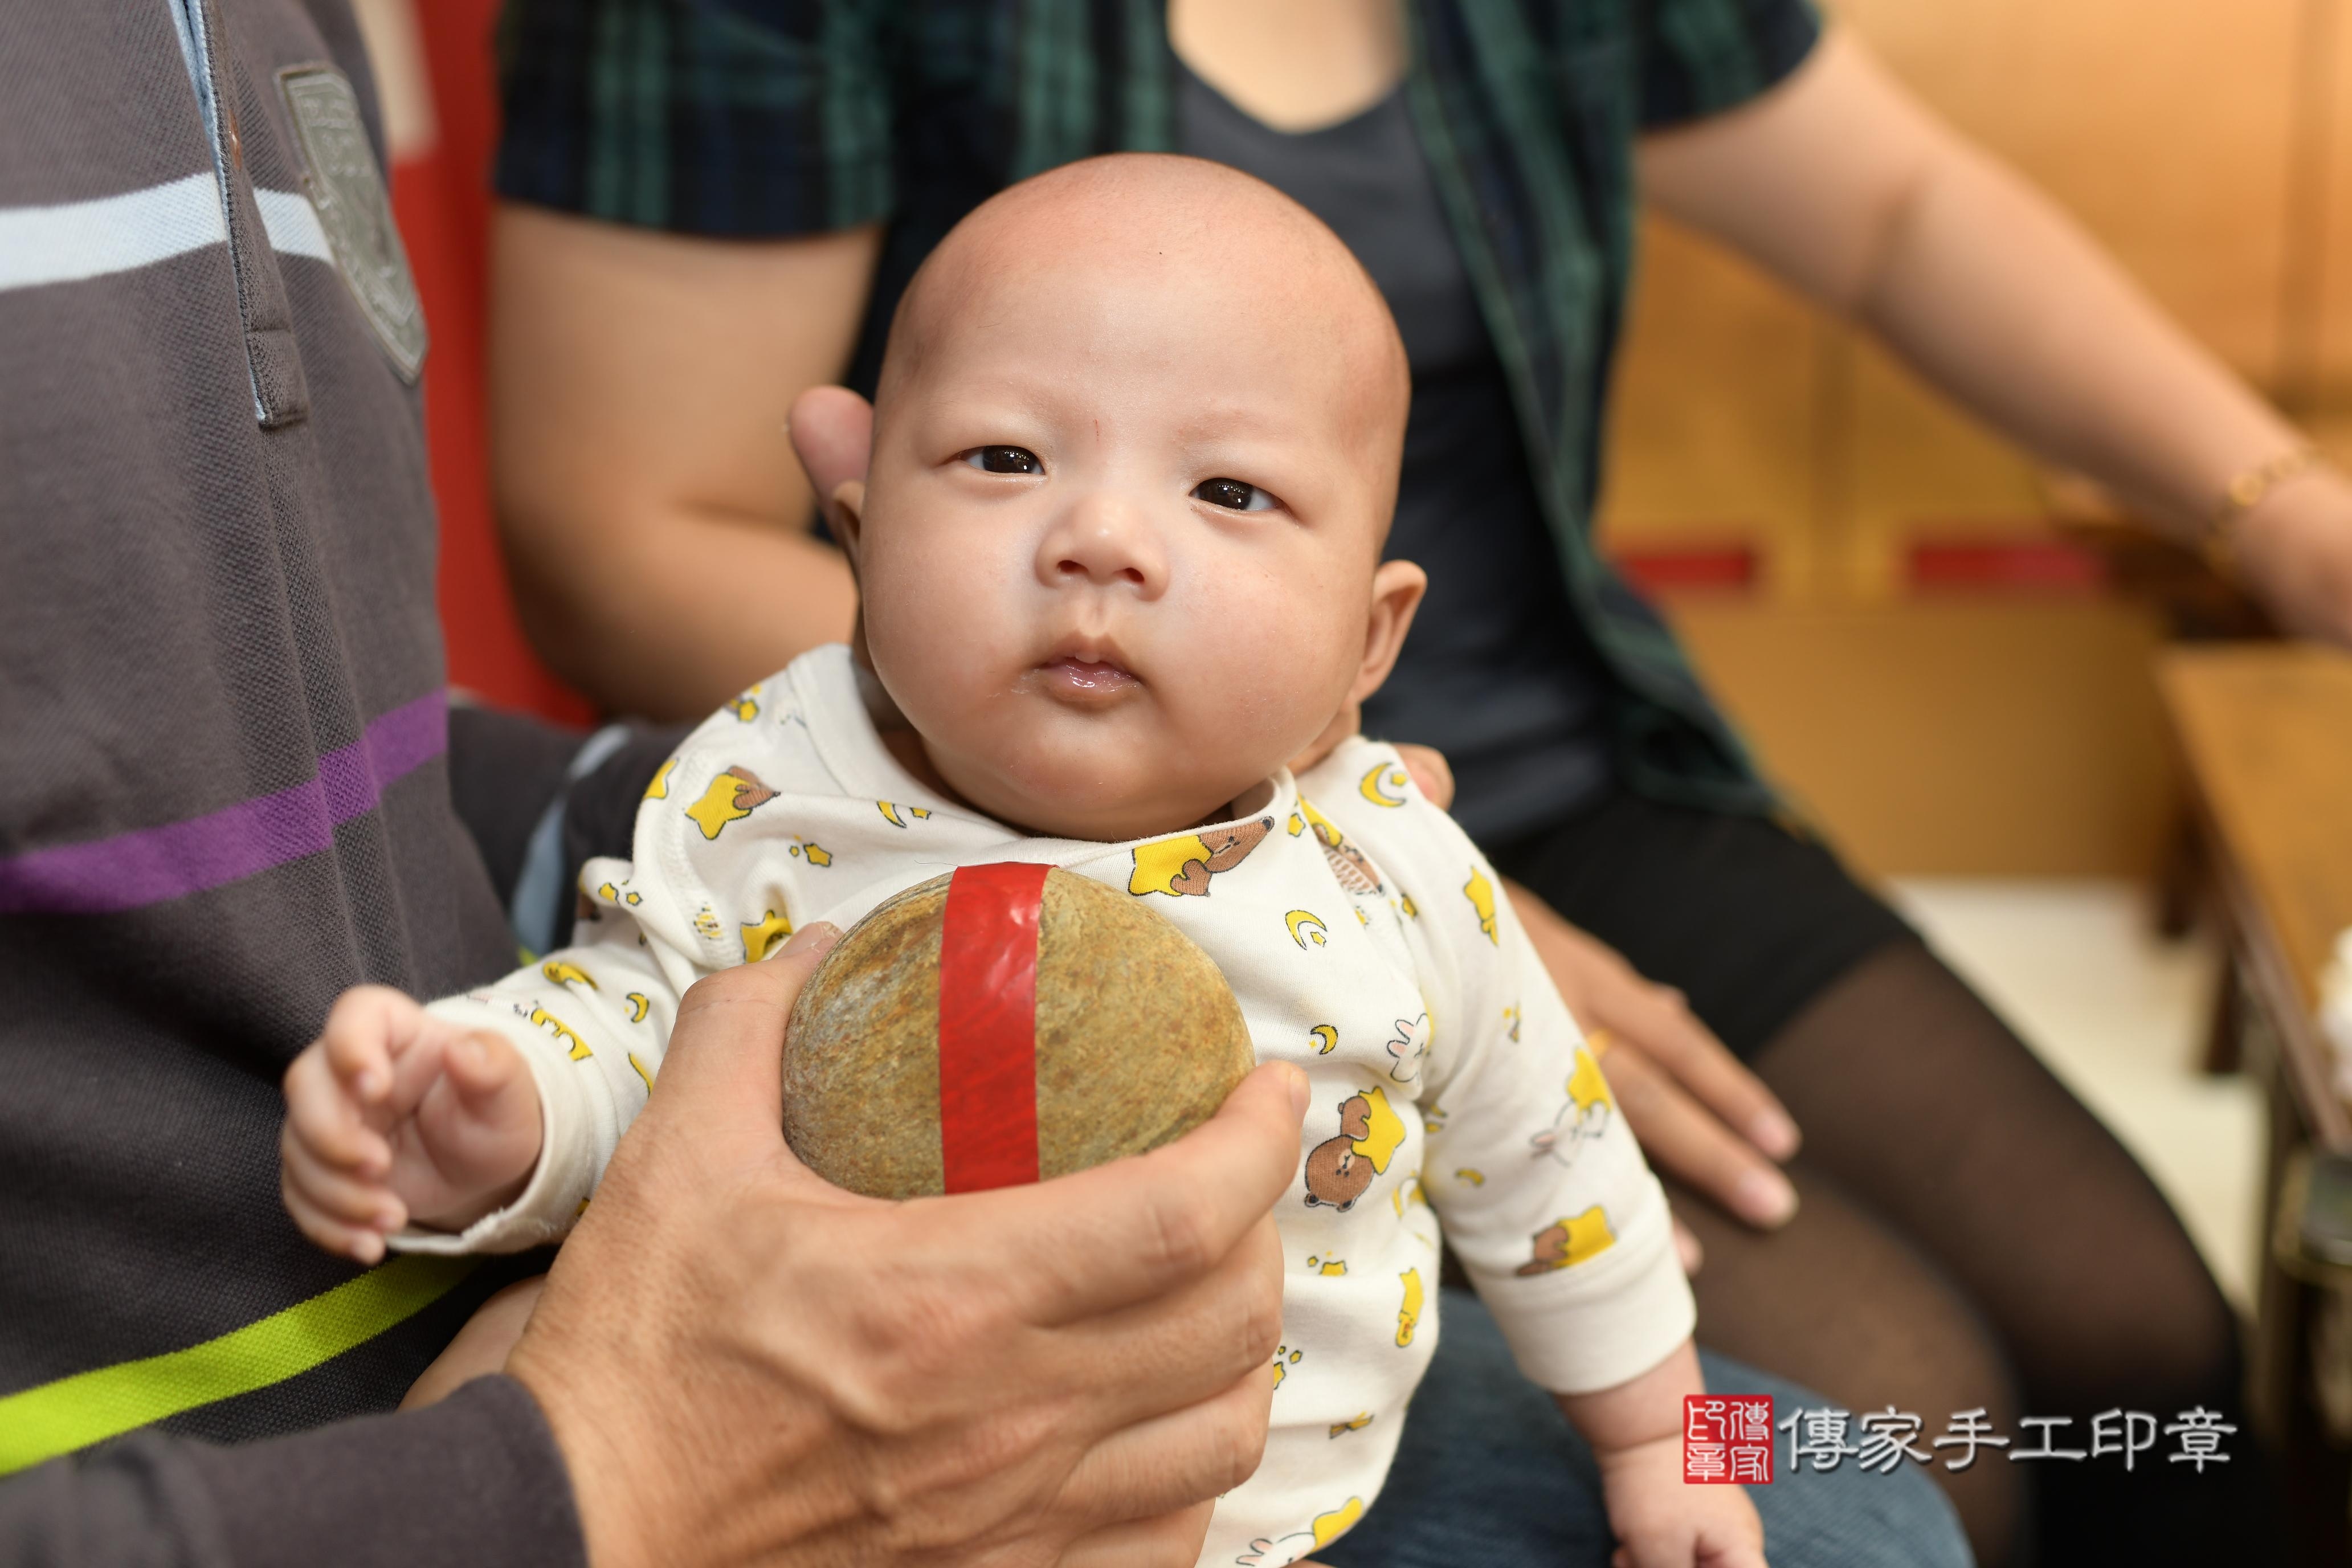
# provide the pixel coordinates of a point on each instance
(223, 799)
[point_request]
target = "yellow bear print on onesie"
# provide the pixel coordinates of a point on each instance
(731, 797)
(1180, 866)
(1340, 1170)
(760, 935)
(1571, 1240)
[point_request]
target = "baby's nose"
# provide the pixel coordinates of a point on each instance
(1104, 540)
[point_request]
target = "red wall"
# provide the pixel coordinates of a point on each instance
(441, 200)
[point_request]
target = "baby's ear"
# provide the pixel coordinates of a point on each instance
(845, 516)
(833, 432)
(1397, 588)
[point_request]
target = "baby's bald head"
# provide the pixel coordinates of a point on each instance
(1239, 256)
(1135, 454)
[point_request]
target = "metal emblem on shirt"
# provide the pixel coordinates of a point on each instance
(348, 190)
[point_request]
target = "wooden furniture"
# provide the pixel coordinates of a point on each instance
(2265, 732)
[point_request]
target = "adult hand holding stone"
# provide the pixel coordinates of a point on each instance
(740, 1362)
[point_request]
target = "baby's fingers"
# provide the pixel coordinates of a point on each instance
(483, 1066)
(369, 1026)
(341, 1195)
(362, 1244)
(322, 1115)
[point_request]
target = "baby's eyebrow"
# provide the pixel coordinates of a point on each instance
(1272, 423)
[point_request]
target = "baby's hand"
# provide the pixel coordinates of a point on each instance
(393, 1115)
(1663, 1523)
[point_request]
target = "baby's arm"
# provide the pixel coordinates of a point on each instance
(1660, 1520)
(481, 1122)
(394, 1116)
(1543, 1191)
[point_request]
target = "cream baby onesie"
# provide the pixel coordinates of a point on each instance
(1367, 941)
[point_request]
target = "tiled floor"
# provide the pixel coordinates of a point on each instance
(2120, 1014)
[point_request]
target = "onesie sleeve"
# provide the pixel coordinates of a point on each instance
(593, 1021)
(1542, 1190)
(713, 881)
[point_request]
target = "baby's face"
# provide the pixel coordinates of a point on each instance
(1119, 534)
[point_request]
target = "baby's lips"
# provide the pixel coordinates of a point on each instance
(1087, 681)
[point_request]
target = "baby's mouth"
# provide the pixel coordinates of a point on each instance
(1088, 680)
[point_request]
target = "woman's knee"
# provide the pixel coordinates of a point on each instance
(1837, 1301)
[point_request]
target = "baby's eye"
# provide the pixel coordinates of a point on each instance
(1004, 460)
(1233, 495)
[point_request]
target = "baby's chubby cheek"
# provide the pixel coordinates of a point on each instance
(1238, 671)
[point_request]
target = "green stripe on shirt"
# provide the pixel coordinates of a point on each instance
(56, 1418)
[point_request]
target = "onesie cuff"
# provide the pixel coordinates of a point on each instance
(550, 1202)
(1598, 1324)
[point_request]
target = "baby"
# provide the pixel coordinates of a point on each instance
(1135, 448)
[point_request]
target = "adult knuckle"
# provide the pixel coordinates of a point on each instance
(1239, 1439)
(923, 1495)
(1261, 1317)
(920, 1350)
(1178, 1236)
(713, 989)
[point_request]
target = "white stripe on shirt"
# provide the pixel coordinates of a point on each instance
(70, 241)
(292, 224)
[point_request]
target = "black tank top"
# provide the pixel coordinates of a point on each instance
(1495, 673)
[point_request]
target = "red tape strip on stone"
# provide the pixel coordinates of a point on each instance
(987, 1027)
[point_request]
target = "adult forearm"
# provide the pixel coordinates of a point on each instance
(640, 383)
(475, 1480)
(668, 619)
(2003, 300)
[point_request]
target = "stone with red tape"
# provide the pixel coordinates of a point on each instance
(1005, 1022)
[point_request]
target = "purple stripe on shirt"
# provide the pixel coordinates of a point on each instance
(150, 865)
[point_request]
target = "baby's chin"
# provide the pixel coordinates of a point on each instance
(1103, 799)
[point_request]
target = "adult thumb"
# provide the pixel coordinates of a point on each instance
(727, 1047)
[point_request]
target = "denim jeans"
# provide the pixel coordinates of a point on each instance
(1489, 1475)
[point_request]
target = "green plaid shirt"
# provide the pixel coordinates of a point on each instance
(780, 117)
